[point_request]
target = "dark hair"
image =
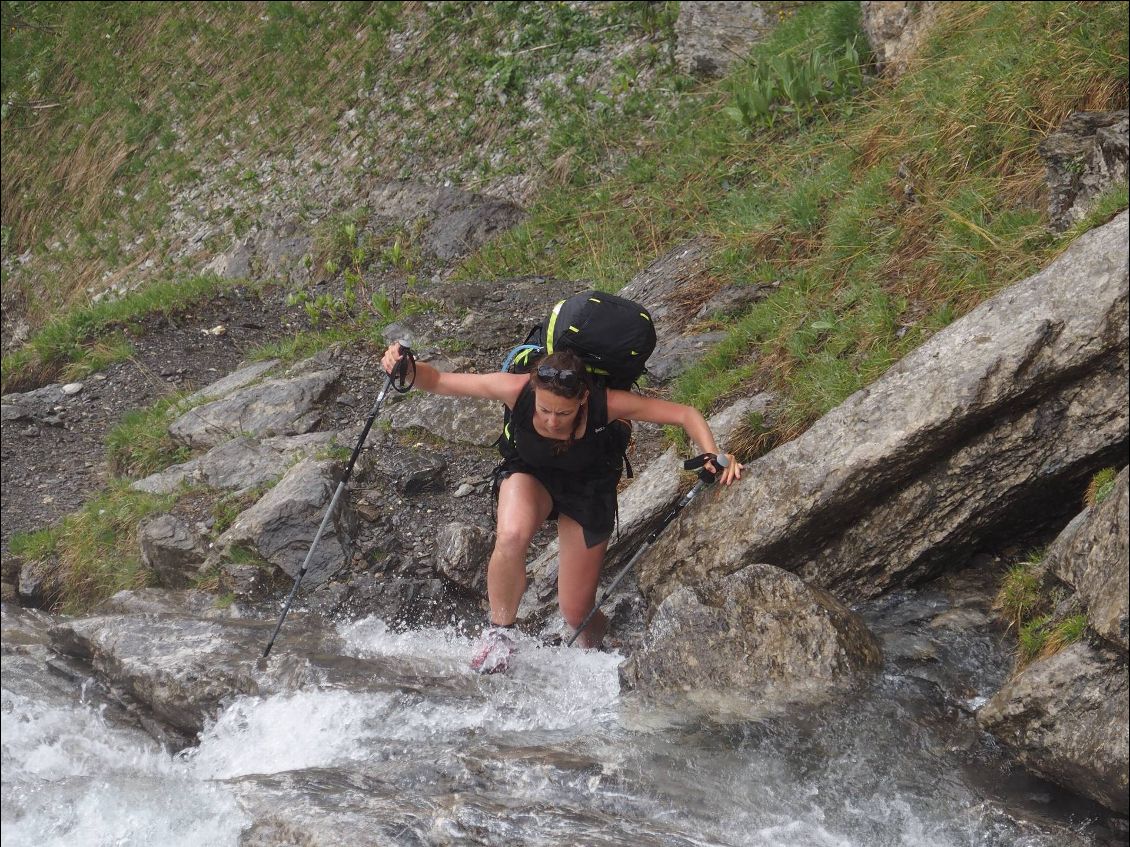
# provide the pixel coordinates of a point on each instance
(563, 373)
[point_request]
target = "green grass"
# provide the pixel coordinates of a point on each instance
(88, 338)
(95, 551)
(1100, 487)
(110, 110)
(1033, 607)
(1020, 594)
(140, 444)
(884, 214)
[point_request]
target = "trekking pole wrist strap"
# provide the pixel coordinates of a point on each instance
(403, 376)
(699, 463)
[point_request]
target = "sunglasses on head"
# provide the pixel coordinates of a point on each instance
(564, 378)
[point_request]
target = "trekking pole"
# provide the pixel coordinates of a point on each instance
(399, 372)
(705, 478)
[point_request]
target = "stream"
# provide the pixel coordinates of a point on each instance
(551, 753)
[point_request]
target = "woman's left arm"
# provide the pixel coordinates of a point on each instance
(635, 407)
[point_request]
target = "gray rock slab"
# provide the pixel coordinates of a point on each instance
(274, 407)
(281, 526)
(238, 465)
(1065, 718)
(232, 382)
(982, 430)
(460, 420)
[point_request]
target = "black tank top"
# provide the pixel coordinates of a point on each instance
(595, 455)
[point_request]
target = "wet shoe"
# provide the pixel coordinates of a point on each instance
(493, 651)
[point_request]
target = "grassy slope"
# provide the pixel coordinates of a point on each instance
(820, 202)
(881, 215)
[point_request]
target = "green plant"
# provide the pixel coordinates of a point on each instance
(1100, 487)
(1032, 638)
(1019, 595)
(1064, 633)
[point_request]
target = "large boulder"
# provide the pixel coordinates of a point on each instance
(1065, 717)
(1093, 556)
(992, 427)
(281, 526)
(759, 636)
(275, 407)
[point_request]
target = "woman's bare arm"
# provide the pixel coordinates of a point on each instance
(504, 387)
(635, 407)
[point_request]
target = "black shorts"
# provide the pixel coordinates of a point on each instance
(590, 502)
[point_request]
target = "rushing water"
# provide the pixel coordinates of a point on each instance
(550, 754)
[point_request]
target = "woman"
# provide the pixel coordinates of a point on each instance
(562, 461)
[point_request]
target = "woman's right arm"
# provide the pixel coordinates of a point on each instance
(503, 387)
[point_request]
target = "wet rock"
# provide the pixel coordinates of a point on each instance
(461, 555)
(990, 428)
(410, 603)
(759, 635)
(1065, 718)
(1093, 556)
(275, 407)
(713, 35)
(281, 526)
(39, 584)
(1085, 156)
(895, 30)
(183, 668)
(171, 549)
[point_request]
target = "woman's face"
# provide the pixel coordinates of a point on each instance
(555, 415)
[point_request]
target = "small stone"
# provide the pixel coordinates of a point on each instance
(72, 388)
(463, 490)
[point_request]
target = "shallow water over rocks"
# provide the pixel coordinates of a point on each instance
(425, 752)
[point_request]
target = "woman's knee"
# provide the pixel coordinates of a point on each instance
(512, 539)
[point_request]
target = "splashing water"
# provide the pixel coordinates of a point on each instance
(549, 754)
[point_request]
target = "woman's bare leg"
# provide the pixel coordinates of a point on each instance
(523, 505)
(578, 573)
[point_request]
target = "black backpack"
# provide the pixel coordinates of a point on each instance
(612, 335)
